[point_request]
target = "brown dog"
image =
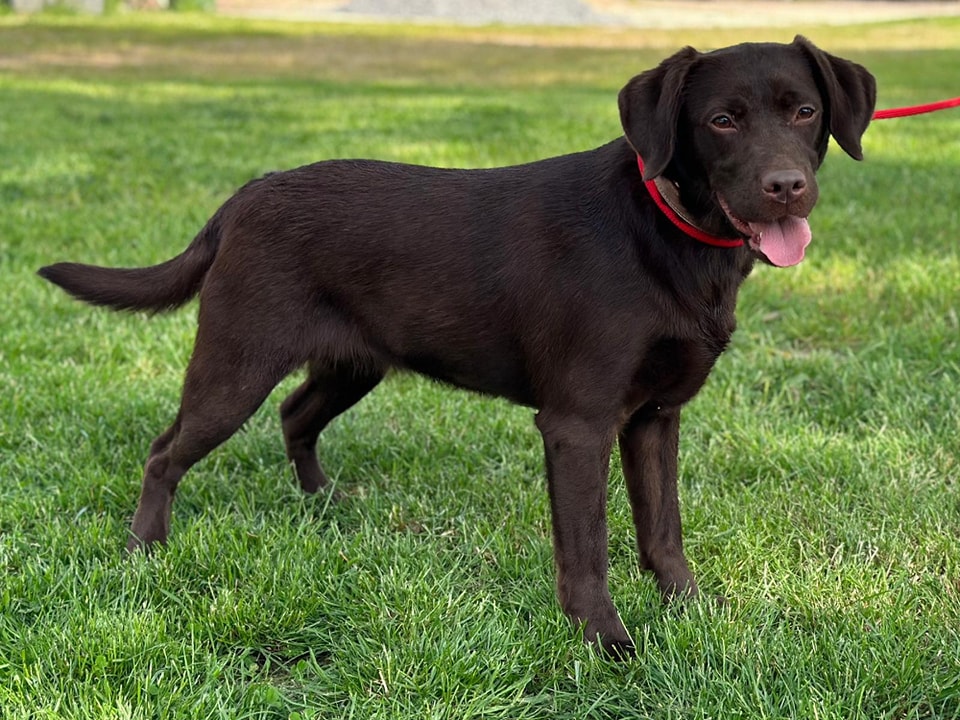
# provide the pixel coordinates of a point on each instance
(570, 285)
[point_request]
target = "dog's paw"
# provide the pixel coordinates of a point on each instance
(617, 650)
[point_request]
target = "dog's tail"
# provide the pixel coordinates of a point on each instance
(157, 288)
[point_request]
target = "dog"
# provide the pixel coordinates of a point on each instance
(597, 288)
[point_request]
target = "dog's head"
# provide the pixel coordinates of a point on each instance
(742, 131)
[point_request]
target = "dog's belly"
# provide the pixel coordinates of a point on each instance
(488, 373)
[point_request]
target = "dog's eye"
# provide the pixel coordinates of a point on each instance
(722, 122)
(806, 113)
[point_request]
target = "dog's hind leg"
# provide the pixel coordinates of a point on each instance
(307, 410)
(226, 381)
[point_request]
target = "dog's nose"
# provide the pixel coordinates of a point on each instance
(784, 185)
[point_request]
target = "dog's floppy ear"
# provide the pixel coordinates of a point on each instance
(851, 94)
(650, 107)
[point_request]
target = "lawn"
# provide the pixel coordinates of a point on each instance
(819, 467)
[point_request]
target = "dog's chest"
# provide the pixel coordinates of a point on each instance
(673, 369)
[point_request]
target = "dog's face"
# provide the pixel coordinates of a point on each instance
(742, 131)
(768, 125)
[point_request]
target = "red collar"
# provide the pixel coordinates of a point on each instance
(675, 212)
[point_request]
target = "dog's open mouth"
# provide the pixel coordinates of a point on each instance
(783, 242)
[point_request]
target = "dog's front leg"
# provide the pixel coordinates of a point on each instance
(578, 459)
(648, 451)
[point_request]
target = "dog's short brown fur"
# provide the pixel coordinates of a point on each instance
(557, 284)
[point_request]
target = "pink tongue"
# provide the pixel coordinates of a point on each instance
(783, 242)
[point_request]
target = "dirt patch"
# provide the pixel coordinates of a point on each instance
(624, 13)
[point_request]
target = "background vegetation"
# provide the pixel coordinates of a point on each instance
(819, 466)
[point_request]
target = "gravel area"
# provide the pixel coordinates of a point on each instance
(480, 12)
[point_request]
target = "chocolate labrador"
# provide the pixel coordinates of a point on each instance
(597, 288)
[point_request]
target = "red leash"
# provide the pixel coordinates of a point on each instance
(916, 109)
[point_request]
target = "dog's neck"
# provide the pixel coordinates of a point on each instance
(666, 195)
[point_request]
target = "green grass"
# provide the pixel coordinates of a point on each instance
(819, 465)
